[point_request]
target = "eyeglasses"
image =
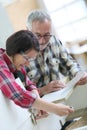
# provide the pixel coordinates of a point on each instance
(26, 57)
(45, 36)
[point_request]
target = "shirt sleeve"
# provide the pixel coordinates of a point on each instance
(13, 91)
(68, 66)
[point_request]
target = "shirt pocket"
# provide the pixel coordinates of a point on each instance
(54, 62)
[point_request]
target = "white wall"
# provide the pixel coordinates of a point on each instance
(6, 28)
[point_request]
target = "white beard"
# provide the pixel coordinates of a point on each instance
(42, 47)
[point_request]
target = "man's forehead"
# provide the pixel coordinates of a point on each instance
(39, 27)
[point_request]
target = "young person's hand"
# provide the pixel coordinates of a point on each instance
(62, 110)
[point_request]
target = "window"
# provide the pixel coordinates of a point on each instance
(69, 18)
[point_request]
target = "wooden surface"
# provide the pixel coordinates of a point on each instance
(82, 119)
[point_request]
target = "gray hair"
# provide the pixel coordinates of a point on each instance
(37, 15)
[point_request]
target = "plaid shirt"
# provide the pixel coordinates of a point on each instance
(10, 88)
(53, 60)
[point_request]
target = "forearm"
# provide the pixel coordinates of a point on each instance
(44, 105)
(58, 109)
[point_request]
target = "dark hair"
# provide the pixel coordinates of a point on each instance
(22, 40)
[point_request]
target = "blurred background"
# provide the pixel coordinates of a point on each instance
(69, 22)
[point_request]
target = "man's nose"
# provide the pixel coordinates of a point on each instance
(42, 40)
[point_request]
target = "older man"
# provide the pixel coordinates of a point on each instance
(53, 57)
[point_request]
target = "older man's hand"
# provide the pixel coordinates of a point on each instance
(83, 80)
(51, 87)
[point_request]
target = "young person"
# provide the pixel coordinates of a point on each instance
(21, 48)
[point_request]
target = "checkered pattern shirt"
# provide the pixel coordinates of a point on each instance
(10, 88)
(50, 63)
